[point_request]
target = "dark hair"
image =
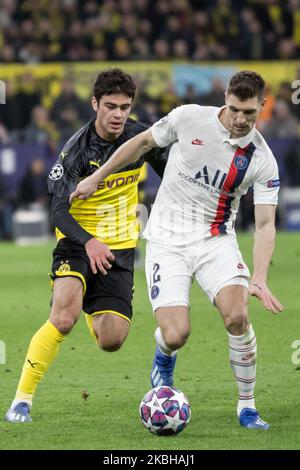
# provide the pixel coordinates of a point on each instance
(113, 81)
(246, 84)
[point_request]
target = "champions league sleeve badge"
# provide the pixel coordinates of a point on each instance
(56, 172)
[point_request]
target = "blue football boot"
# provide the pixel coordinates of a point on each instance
(19, 413)
(250, 419)
(162, 369)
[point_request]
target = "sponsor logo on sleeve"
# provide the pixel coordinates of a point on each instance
(273, 183)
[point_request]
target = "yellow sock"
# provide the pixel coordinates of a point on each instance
(89, 322)
(42, 351)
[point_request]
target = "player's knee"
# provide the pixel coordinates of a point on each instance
(64, 325)
(64, 319)
(175, 338)
(64, 314)
(111, 344)
(236, 322)
(111, 332)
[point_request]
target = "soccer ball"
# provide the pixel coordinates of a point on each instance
(165, 411)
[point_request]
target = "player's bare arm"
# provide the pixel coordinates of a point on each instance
(262, 252)
(128, 153)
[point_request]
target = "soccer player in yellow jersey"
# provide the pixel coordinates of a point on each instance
(92, 266)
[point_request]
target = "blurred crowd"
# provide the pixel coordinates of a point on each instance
(34, 31)
(25, 118)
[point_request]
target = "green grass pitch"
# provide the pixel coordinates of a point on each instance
(108, 419)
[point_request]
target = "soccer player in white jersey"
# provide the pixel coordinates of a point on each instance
(216, 155)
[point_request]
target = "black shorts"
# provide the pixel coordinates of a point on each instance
(112, 292)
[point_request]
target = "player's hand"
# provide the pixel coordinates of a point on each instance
(100, 256)
(263, 293)
(84, 189)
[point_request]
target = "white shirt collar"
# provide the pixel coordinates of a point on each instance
(241, 141)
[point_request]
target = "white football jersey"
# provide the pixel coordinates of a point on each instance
(206, 174)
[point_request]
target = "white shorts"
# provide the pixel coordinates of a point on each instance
(214, 262)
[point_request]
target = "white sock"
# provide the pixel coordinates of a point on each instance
(161, 343)
(16, 401)
(242, 354)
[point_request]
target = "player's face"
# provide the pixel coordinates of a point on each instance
(240, 116)
(112, 113)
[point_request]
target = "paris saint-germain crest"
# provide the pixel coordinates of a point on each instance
(154, 292)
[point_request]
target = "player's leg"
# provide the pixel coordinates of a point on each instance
(171, 334)
(44, 346)
(169, 280)
(174, 327)
(66, 303)
(111, 330)
(224, 277)
(231, 302)
(108, 303)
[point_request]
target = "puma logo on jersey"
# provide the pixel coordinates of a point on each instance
(94, 164)
(197, 142)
